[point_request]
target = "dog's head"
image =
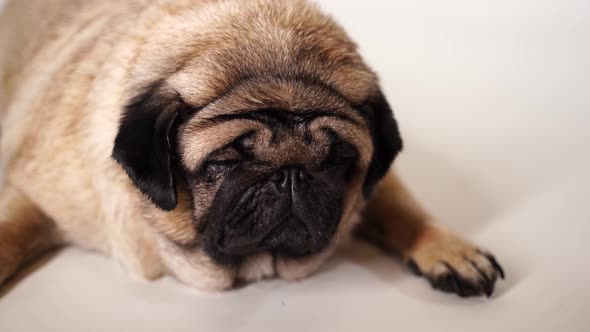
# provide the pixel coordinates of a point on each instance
(271, 122)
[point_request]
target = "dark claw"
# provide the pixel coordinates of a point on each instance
(472, 289)
(486, 288)
(414, 267)
(451, 282)
(455, 284)
(443, 283)
(454, 278)
(487, 284)
(495, 264)
(464, 287)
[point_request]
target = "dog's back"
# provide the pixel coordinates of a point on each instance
(26, 28)
(52, 54)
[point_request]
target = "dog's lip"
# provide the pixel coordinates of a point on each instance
(254, 245)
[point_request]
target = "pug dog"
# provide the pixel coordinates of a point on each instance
(215, 141)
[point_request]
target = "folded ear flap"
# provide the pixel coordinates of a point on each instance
(387, 142)
(143, 145)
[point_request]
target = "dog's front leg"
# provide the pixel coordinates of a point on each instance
(397, 223)
(25, 232)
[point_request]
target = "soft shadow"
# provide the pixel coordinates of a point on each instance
(445, 189)
(359, 252)
(26, 271)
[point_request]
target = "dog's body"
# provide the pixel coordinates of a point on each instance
(80, 77)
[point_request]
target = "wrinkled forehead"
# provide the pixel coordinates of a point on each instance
(282, 122)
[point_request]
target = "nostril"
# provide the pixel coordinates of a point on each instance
(299, 179)
(303, 175)
(281, 180)
(285, 179)
(277, 177)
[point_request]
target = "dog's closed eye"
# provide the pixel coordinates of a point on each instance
(213, 170)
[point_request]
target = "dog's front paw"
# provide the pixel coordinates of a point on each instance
(453, 265)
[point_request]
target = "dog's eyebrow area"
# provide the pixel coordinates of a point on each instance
(284, 111)
(265, 99)
(197, 142)
(272, 118)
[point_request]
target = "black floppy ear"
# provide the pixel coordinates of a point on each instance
(143, 145)
(387, 142)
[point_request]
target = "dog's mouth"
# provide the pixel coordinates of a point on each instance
(292, 235)
(292, 214)
(239, 244)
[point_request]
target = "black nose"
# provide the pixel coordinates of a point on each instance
(292, 178)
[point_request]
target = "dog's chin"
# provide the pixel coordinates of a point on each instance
(290, 238)
(265, 265)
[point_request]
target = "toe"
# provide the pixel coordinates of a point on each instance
(496, 265)
(466, 276)
(466, 282)
(486, 281)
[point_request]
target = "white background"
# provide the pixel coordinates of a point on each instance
(493, 101)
